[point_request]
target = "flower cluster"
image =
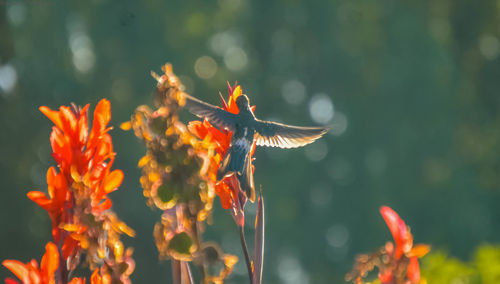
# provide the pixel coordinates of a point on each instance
(77, 200)
(398, 262)
(178, 177)
(46, 273)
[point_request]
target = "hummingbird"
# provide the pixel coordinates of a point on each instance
(246, 129)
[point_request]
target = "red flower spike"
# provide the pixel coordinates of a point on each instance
(402, 237)
(397, 263)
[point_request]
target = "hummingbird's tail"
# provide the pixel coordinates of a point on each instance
(240, 164)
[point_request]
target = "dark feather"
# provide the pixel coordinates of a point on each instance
(215, 115)
(246, 179)
(231, 164)
(273, 134)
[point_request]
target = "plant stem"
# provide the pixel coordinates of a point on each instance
(176, 271)
(187, 274)
(245, 251)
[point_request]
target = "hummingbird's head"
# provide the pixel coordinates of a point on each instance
(242, 102)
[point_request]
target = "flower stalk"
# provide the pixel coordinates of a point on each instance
(78, 202)
(179, 171)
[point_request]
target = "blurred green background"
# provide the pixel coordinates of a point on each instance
(409, 90)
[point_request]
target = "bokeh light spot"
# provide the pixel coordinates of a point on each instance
(235, 59)
(376, 162)
(321, 108)
(321, 195)
(221, 42)
(294, 92)
(8, 78)
(338, 124)
(16, 13)
(83, 59)
(489, 47)
(188, 83)
(337, 236)
(291, 272)
(341, 171)
(205, 67)
(316, 151)
(81, 46)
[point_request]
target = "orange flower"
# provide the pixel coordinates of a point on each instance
(227, 189)
(404, 246)
(397, 263)
(31, 273)
(82, 156)
(83, 159)
(77, 201)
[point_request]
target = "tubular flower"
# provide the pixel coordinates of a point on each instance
(228, 189)
(176, 171)
(397, 263)
(77, 201)
(32, 273)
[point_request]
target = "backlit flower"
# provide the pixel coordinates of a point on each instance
(397, 263)
(32, 273)
(77, 200)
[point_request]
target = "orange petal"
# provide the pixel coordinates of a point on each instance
(103, 112)
(83, 129)
(413, 270)
(51, 177)
(68, 120)
(50, 261)
(113, 181)
(77, 281)
(18, 268)
(223, 191)
(52, 115)
(96, 277)
(39, 198)
(69, 246)
(197, 128)
(73, 228)
(419, 250)
(10, 281)
(104, 205)
(127, 125)
(237, 92)
(144, 161)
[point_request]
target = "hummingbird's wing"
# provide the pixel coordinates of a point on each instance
(273, 134)
(215, 115)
